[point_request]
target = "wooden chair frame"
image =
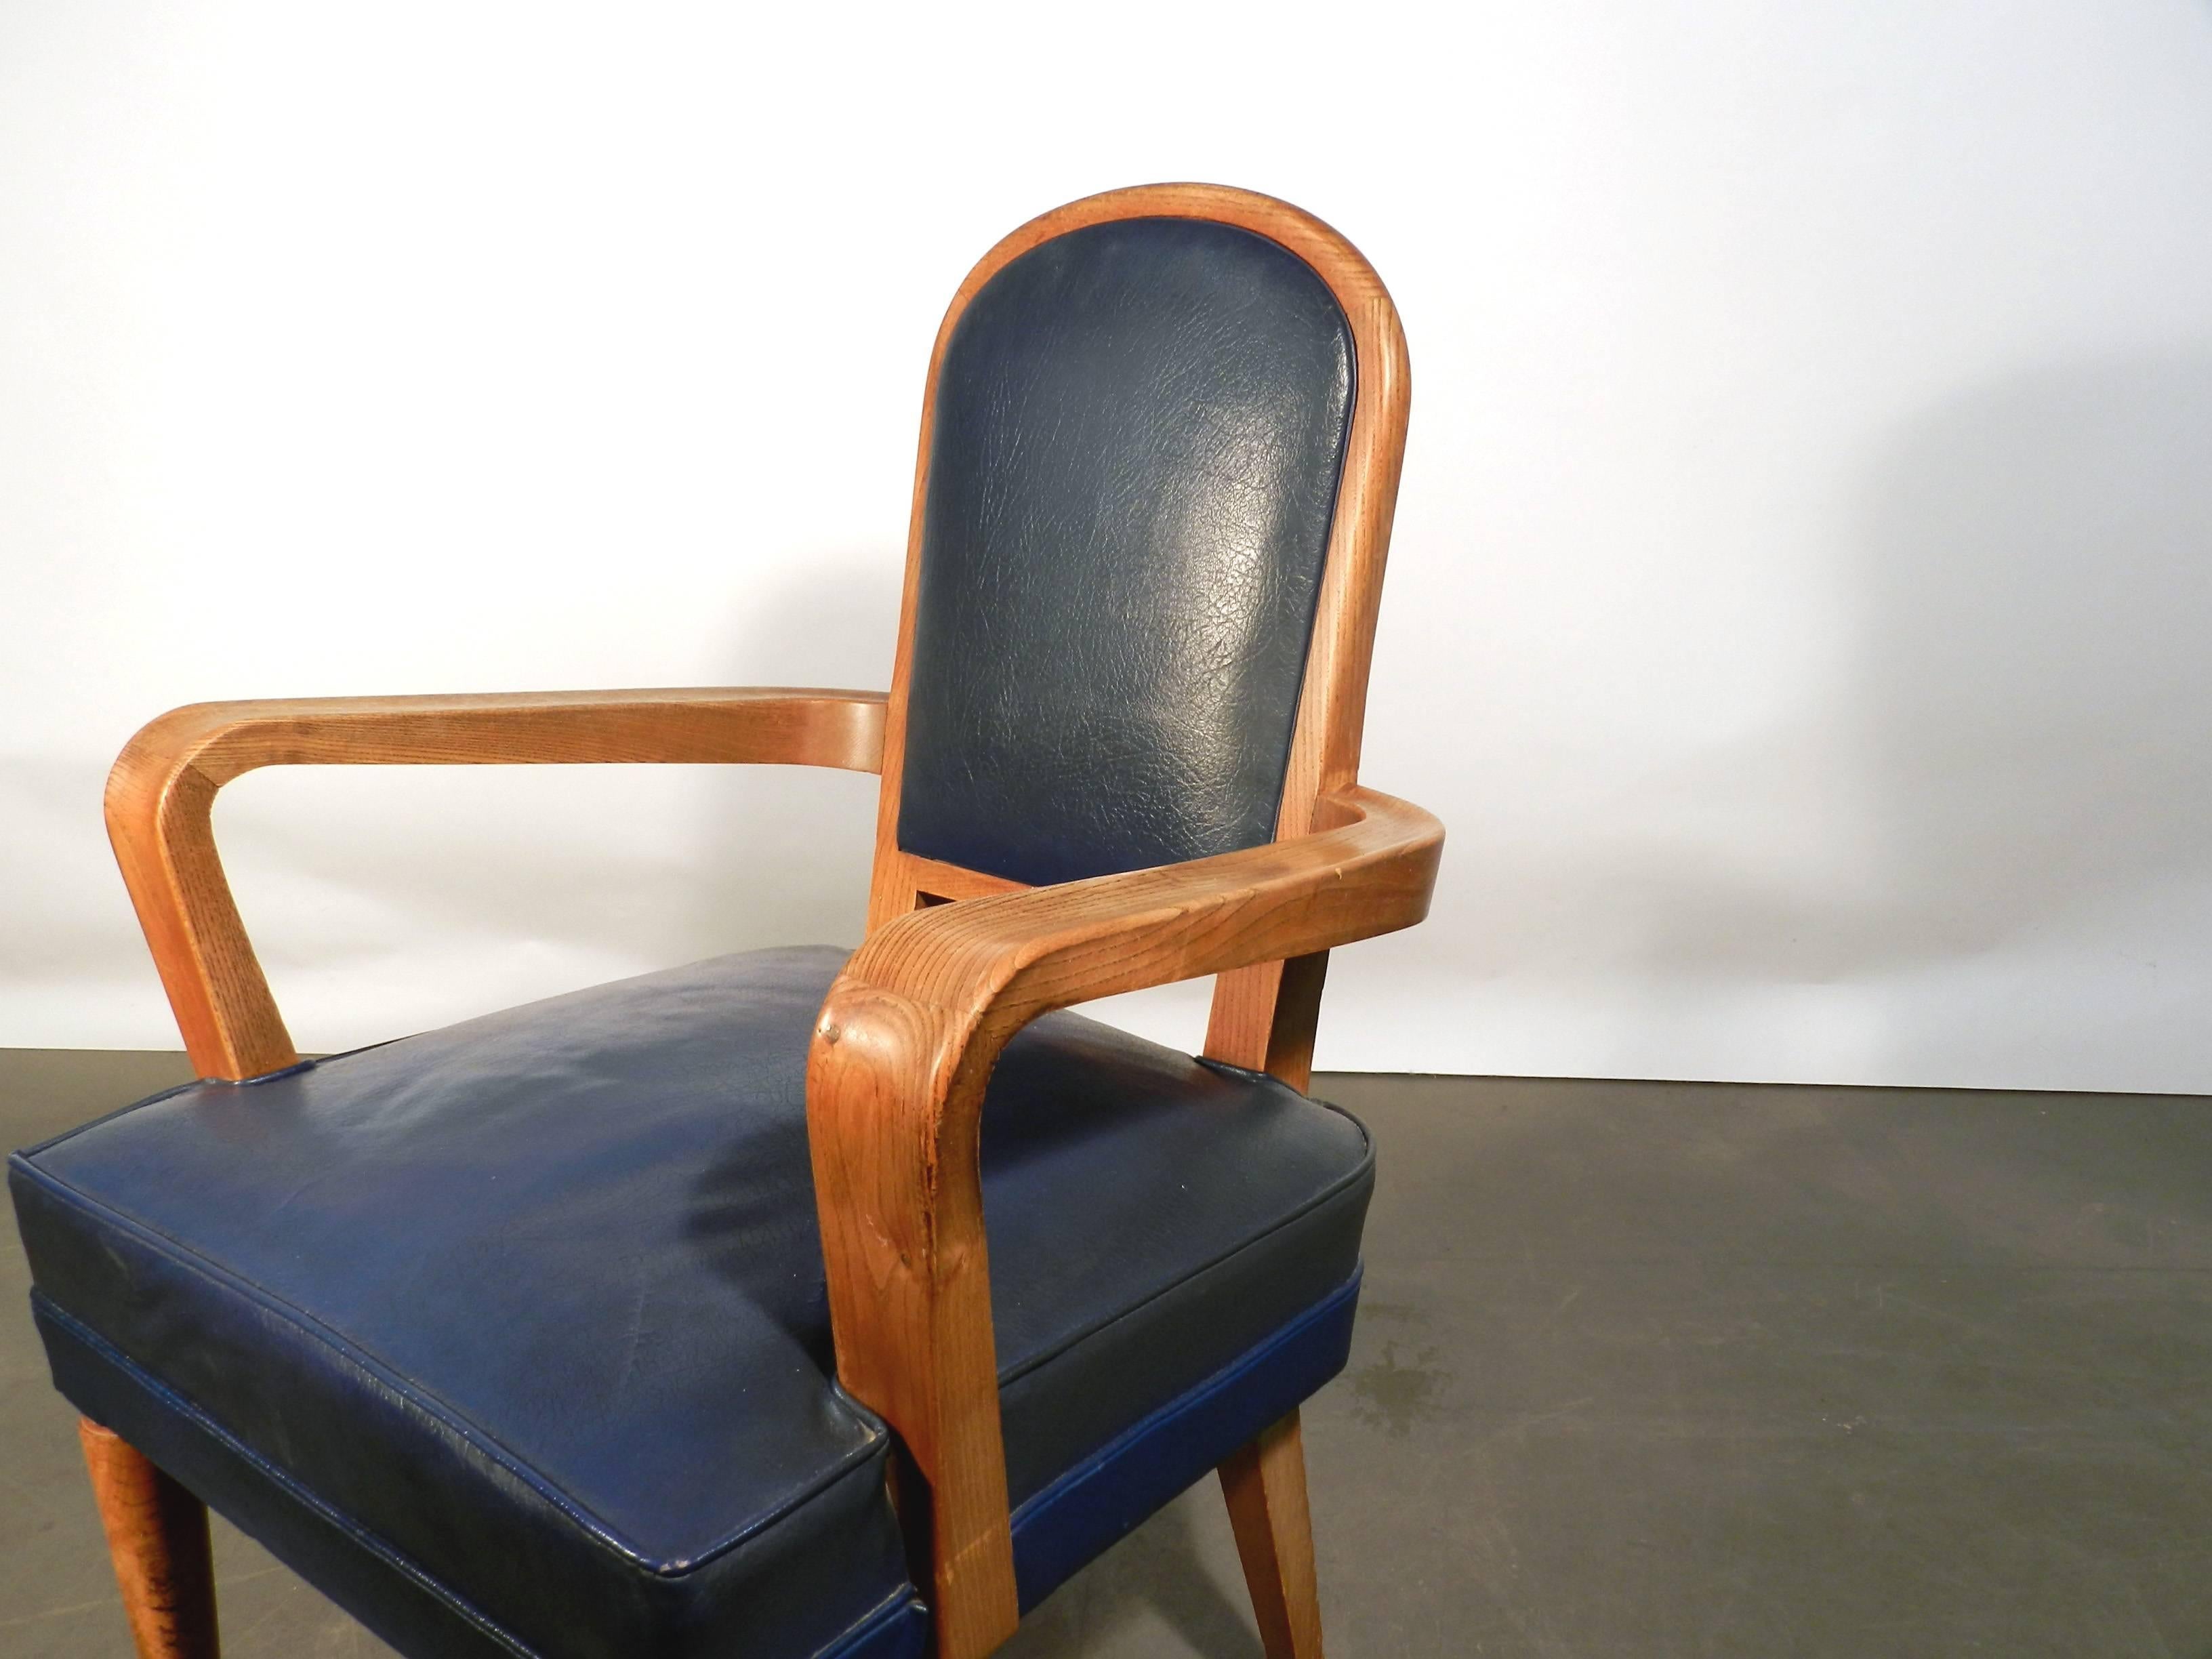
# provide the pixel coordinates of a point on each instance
(955, 963)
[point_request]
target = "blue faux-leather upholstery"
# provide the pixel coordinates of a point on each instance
(1139, 433)
(512, 1336)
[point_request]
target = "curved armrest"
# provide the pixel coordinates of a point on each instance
(163, 787)
(906, 1041)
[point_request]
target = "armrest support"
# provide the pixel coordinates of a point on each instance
(161, 791)
(905, 1043)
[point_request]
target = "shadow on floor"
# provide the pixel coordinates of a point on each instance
(1642, 1370)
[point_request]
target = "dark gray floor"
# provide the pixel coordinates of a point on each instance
(1643, 1368)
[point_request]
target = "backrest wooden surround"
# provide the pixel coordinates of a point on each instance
(1263, 1016)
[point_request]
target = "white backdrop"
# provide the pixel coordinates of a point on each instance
(1801, 594)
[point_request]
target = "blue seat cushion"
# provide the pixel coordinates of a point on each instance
(513, 1336)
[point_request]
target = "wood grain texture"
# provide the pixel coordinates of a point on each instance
(932, 882)
(157, 1533)
(162, 793)
(906, 1041)
(1264, 1017)
(928, 1011)
(1266, 1485)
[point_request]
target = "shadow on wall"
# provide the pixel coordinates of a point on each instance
(2017, 888)
(783, 853)
(2038, 663)
(504, 870)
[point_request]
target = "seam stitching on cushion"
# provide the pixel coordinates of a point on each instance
(51, 1141)
(846, 1640)
(413, 1393)
(1334, 1190)
(293, 1070)
(373, 1542)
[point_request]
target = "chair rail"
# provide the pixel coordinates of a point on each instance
(905, 1043)
(162, 793)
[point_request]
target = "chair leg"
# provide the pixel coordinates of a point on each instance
(157, 1533)
(1265, 1483)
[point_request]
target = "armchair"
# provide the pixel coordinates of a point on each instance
(800, 1302)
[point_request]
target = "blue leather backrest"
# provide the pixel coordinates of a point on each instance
(1140, 428)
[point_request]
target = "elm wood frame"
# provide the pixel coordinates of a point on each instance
(160, 799)
(910, 1032)
(160, 796)
(157, 1535)
(905, 1044)
(1265, 1483)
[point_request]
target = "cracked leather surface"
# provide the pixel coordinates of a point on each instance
(1139, 430)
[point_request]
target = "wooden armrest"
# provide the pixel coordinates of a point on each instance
(162, 789)
(906, 1041)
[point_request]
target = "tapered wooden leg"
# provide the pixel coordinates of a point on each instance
(1266, 1485)
(157, 1533)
